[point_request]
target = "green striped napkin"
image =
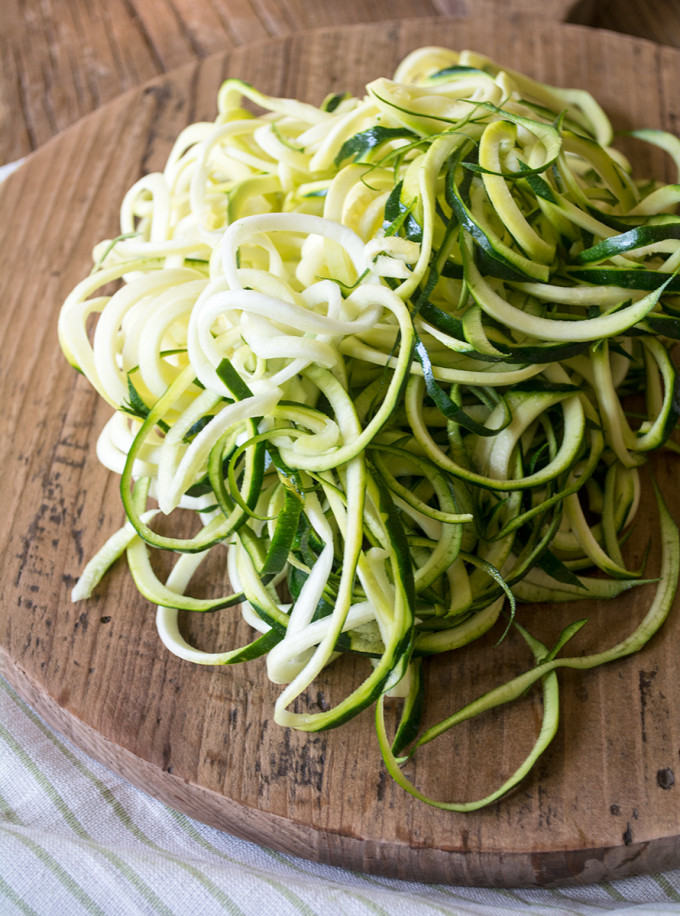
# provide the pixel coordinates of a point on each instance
(77, 839)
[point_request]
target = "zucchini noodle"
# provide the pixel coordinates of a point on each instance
(383, 350)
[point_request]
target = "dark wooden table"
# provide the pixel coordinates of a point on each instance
(60, 59)
(600, 804)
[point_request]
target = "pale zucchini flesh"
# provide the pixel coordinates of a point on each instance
(384, 349)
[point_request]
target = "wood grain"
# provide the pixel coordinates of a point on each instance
(602, 803)
(60, 59)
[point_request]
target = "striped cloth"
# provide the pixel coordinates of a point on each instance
(76, 839)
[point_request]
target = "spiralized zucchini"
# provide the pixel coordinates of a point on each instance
(383, 349)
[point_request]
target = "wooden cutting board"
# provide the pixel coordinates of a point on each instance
(602, 803)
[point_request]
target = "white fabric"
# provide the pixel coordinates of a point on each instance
(77, 839)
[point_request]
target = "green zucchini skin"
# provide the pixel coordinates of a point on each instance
(403, 359)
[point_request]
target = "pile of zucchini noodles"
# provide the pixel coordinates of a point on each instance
(382, 349)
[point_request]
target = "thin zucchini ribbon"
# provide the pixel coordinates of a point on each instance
(400, 359)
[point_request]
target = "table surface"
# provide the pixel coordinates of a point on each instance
(60, 59)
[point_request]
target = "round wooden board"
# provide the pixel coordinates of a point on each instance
(602, 803)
